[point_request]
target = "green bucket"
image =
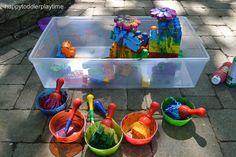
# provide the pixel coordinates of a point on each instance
(170, 120)
(103, 152)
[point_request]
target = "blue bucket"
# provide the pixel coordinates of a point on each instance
(51, 112)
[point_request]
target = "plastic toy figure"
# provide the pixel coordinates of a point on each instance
(68, 50)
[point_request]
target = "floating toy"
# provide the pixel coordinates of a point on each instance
(220, 75)
(141, 128)
(231, 78)
(54, 99)
(76, 130)
(66, 50)
(171, 113)
(76, 103)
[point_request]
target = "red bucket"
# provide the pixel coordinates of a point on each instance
(131, 118)
(58, 122)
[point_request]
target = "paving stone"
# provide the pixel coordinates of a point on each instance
(159, 95)
(9, 27)
(29, 19)
(193, 4)
(29, 93)
(217, 58)
(77, 12)
(219, 4)
(136, 99)
(226, 96)
(222, 12)
(99, 4)
(2, 15)
(21, 125)
(35, 149)
(88, 12)
(206, 102)
(107, 96)
(227, 44)
(231, 22)
(171, 4)
(11, 53)
(228, 148)
(195, 20)
(140, 151)
(208, 30)
(9, 95)
(14, 74)
(225, 31)
(81, 5)
(138, 4)
(212, 20)
(203, 88)
(209, 42)
(26, 61)
(197, 11)
(82, 94)
(24, 32)
(80, 1)
(103, 11)
(130, 11)
(223, 123)
(17, 59)
(195, 139)
(24, 43)
(36, 33)
(5, 40)
(6, 149)
(115, 4)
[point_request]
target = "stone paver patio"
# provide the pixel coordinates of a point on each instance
(24, 130)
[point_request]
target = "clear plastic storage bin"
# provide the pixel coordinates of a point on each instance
(91, 38)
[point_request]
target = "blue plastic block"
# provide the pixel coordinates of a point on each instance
(132, 42)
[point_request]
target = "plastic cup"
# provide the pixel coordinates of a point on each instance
(170, 120)
(59, 121)
(103, 152)
(131, 118)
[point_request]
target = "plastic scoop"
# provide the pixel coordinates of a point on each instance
(90, 98)
(185, 111)
(54, 99)
(104, 136)
(141, 128)
(98, 106)
(108, 120)
(76, 103)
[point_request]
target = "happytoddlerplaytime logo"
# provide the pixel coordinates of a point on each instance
(31, 6)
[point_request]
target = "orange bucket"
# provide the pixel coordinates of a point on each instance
(58, 123)
(131, 118)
